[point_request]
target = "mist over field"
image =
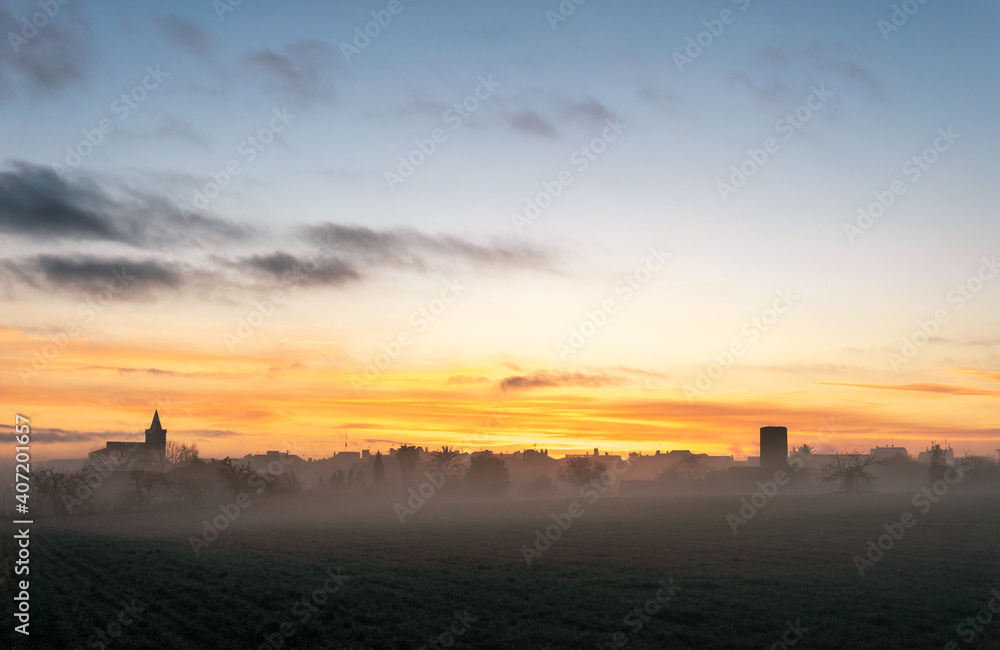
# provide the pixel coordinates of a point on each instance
(545, 324)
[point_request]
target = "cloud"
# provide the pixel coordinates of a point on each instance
(422, 107)
(822, 57)
(309, 270)
(184, 34)
(772, 54)
(992, 375)
(408, 248)
(301, 70)
(547, 379)
(663, 100)
(55, 57)
(131, 277)
(530, 122)
(590, 110)
(943, 389)
(767, 92)
(37, 203)
(49, 436)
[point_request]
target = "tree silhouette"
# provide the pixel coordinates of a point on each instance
(378, 472)
(850, 470)
(938, 467)
(407, 456)
(446, 460)
(144, 486)
(236, 476)
(487, 475)
(580, 471)
(177, 455)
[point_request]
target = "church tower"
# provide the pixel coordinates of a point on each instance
(156, 435)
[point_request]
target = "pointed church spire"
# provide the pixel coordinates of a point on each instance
(155, 426)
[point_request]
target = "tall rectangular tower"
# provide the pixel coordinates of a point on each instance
(773, 446)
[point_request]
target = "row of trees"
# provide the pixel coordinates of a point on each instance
(485, 474)
(124, 478)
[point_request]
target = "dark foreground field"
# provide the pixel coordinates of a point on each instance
(789, 567)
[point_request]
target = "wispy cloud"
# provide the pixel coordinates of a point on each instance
(184, 34)
(57, 56)
(302, 70)
(133, 278)
(551, 379)
(37, 203)
(409, 248)
(943, 389)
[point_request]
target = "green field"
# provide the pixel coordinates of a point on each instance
(791, 564)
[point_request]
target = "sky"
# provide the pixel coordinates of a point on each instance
(631, 226)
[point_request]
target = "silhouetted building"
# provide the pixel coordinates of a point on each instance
(773, 446)
(947, 456)
(884, 453)
(155, 444)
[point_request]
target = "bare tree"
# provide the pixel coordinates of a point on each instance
(236, 476)
(851, 470)
(115, 459)
(187, 488)
(144, 485)
(57, 488)
(177, 455)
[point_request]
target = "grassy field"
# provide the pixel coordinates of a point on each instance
(791, 565)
